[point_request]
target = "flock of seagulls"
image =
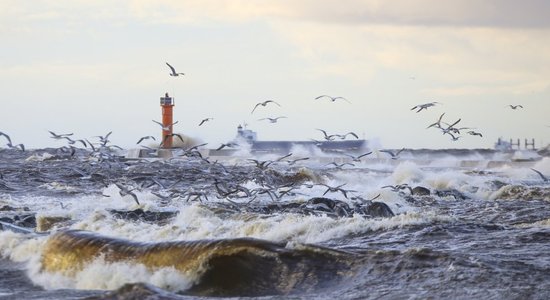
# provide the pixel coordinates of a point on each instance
(450, 128)
(228, 186)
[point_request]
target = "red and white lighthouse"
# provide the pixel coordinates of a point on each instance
(167, 104)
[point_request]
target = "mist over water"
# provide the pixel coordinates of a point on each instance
(432, 223)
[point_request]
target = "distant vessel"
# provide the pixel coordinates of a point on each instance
(282, 147)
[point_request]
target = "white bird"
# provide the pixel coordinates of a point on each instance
(421, 107)
(59, 136)
(264, 104)
(165, 127)
(333, 99)
(272, 120)
(357, 158)
(394, 155)
(145, 138)
(471, 132)
(174, 73)
(205, 120)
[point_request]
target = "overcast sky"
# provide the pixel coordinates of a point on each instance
(91, 67)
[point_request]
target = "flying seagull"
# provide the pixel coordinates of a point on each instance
(59, 136)
(205, 120)
(264, 104)
(471, 132)
(272, 120)
(394, 155)
(223, 145)
(165, 127)
(145, 138)
(174, 73)
(515, 106)
(333, 99)
(421, 107)
(357, 158)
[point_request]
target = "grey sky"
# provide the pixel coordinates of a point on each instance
(90, 67)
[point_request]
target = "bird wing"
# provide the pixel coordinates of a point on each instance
(270, 101)
(7, 137)
(335, 98)
(541, 175)
(255, 107)
(171, 68)
(352, 133)
(364, 154)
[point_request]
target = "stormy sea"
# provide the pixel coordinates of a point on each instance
(419, 224)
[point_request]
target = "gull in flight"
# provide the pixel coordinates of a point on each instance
(272, 120)
(205, 120)
(515, 106)
(223, 145)
(174, 73)
(357, 158)
(145, 138)
(333, 99)
(59, 136)
(264, 104)
(421, 107)
(165, 127)
(394, 155)
(471, 132)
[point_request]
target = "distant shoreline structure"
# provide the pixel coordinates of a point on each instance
(249, 139)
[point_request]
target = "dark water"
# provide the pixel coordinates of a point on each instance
(486, 237)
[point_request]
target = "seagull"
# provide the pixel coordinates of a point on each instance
(125, 191)
(174, 73)
(59, 136)
(544, 178)
(515, 106)
(421, 107)
(333, 99)
(471, 132)
(172, 135)
(327, 137)
(450, 127)
(104, 139)
(336, 189)
(399, 187)
(343, 136)
(72, 142)
(294, 161)
(145, 138)
(165, 127)
(393, 155)
(272, 120)
(357, 158)
(263, 104)
(205, 120)
(18, 146)
(6, 136)
(230, 145)
(340, 166)
(454, 138)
